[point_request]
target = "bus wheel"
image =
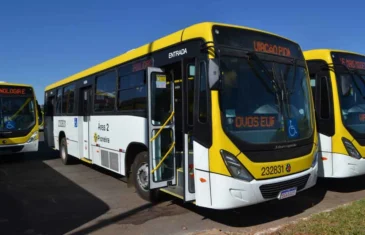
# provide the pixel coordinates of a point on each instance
(140, 178)
(63, 151)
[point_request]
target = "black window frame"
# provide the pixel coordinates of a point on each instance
(120, 88)
(203, 97)
(73, 89)
(58, 98)
(321, 72)
(95, 88)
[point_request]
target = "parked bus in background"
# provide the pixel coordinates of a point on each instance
(214, 114)
(338, 86)
(19, 112)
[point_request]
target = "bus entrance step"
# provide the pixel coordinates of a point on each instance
(175, 191)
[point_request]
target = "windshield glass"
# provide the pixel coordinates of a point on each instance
(260, 110)
(351, 91)
(16, 113)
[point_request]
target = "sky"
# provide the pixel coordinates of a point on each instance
(44, 41)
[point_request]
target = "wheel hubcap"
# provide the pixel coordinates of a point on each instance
(63, 152)
(142, 176)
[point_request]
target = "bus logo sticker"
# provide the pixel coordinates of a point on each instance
(292, 128)
(288, 167)
(75, 122)
(10, 125)
(95, 137)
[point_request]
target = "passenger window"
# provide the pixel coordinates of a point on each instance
(68, 99)
(105, 92)
(203, 94)
(59, 101)
(132, 92)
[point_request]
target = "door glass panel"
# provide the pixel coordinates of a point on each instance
(160, 99)
(191, 185)
(163, 160)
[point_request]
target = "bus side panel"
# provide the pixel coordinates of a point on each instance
(67, 125)
(202, 176)
(110, 136)
(325, 161)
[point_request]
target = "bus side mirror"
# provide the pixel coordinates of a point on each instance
(345, 85)
(214, 74)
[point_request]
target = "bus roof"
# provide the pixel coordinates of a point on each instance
(14, 84)
(200, 30)
(324, 53)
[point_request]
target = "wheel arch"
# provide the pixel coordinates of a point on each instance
(132, 150)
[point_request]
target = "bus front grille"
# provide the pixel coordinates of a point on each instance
(11, 149)
(272, 190)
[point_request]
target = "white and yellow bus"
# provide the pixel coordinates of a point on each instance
(19, 114)
(338, 85)
(215, 114)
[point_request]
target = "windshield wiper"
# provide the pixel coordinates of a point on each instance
(278, 91)
(266, 71)
(352, 77)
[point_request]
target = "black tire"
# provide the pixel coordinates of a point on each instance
(66, 159)
(141, 161)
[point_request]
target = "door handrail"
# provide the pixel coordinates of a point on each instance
(162, 127)
(164, 157)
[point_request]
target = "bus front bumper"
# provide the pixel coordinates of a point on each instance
(228, 192)
(345, 166)
(18, 148)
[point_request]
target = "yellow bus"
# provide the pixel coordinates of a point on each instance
(338, 86)
(19, 114)
(215, 114)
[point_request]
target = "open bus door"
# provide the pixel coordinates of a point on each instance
(161, 129)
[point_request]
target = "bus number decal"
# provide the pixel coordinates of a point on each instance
(272, 170)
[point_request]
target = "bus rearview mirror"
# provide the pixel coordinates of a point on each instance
(214, 78)
(345, 85)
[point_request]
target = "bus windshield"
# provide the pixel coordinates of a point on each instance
(352, 100)
(17, 113)
(264, 105)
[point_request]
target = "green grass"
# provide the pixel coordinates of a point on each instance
(349, 219)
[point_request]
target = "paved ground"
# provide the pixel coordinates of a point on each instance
(39, 195)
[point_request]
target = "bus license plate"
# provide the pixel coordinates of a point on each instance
(287, 193)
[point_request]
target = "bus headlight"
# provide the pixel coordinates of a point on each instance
(33, 137)
(351, 150)
(235, 167)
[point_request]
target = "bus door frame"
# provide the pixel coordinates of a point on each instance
(85, 108)
(152, 139)
(188, 156)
